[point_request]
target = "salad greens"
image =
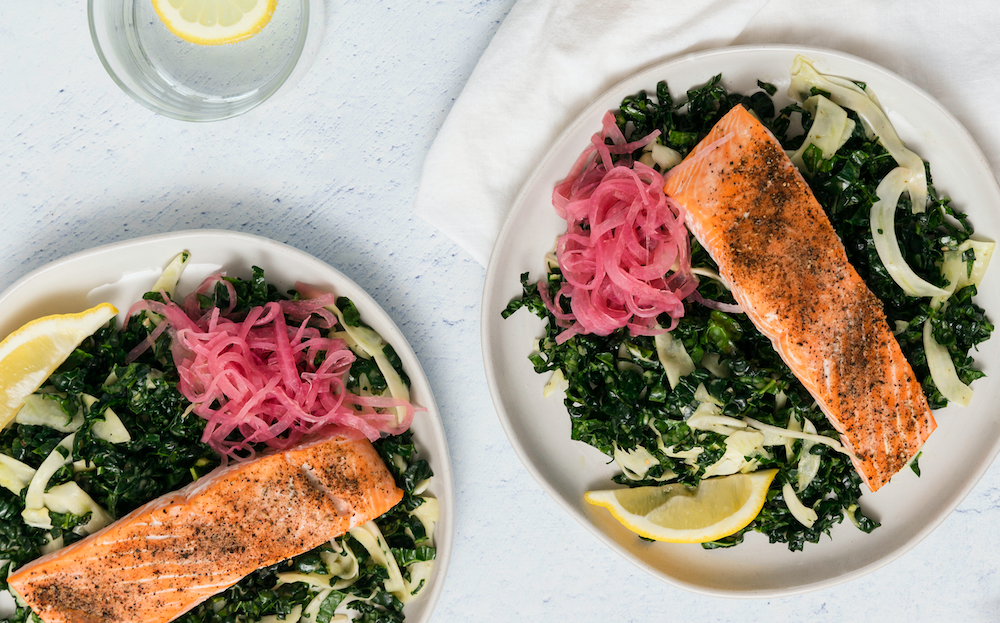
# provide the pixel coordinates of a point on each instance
(617, 391)
(164, 453)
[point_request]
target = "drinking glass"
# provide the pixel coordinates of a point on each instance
(195, 82)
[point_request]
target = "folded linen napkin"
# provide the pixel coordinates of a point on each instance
(551, 58)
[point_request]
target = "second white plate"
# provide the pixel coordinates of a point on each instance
(121, 273)
(953, 460)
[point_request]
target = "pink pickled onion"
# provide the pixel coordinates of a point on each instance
(625, 255)
(258, 379)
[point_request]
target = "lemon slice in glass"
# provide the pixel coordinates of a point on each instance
(29, 355)
(676, 513)
(214, 22)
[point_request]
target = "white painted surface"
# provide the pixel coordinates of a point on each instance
(331, 168)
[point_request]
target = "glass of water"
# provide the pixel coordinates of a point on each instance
(195, 82)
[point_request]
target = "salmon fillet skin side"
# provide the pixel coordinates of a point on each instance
(171, 554)
(756, 216)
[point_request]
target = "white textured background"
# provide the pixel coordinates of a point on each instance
(331, 168)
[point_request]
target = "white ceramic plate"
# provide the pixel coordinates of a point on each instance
(954, 458)
(120, 274)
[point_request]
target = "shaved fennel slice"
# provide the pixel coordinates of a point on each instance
(637, 462)
(805, 77)
(740, 445)
(808, 462)
(171, 275)
(35, 514)
(110, 428)
(805, 515)
(823, 439)
(956, 270)
(673, 357)
(795, 427)
(45, 410)
(369, 535)
(374, 346)
(830, 129)
(883, 224)
(557, 382)
(14, 475)
(311, 610)
(942, 370)
(70, 498)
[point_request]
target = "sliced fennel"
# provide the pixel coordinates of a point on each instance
(955, 268)
(942, 370)
(739, 445)
(369, 535)
(665, 157)
(794, 427)
(849, 95)
(45, 410)
(109, 429)
(637, 462)
(805, 515)
(809, 463)
(557, 382)
(428, 513)
(35, 514)
(830, 129)
(70, 498)
(171, 275)
(14, 475)
(823, 439)
(673, 357)
(883, 219)
(370, 343)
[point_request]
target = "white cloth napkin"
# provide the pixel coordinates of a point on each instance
(551, 58)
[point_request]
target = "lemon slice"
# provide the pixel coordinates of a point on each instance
(214, 22)
(677, 513)
(29, 355)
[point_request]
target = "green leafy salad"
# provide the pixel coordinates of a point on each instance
(636, 398)
(119, 434)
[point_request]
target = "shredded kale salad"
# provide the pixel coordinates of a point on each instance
(616, 388)
(164, 452)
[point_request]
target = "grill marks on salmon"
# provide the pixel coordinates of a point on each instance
(757, 217)
(171, 554)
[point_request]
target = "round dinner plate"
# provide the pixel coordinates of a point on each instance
(121, 273)
(909, 508)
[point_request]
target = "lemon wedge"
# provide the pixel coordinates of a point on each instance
(214, 22)
(676, 513)
(29, 355)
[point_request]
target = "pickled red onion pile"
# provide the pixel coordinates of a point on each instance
(625, 255)
(256, 378)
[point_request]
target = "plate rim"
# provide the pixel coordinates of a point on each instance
(649, 74)
(444, 538)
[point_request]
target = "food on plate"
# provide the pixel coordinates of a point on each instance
(753, 212)
(134, 414)
(178, 550)
(676, 513)
(706, 395)
(29, 355)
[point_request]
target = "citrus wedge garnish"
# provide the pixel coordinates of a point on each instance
(214, 22)
(677, 513)
(29, 355)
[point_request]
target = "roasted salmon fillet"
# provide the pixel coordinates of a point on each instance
(171, 554)
(754, 213)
